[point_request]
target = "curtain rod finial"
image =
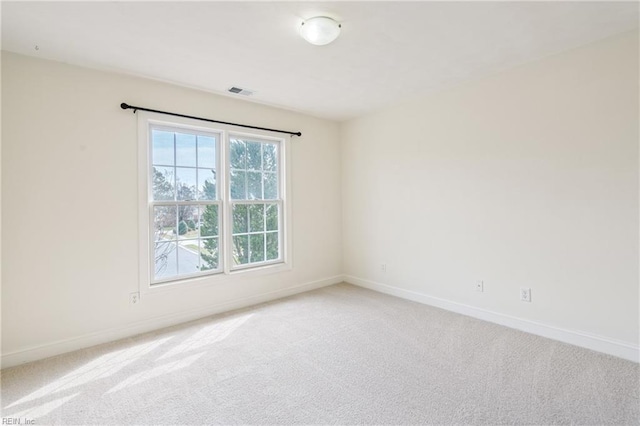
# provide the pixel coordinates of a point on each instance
(124, 106)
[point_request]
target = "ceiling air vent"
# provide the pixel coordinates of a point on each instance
(241, 91)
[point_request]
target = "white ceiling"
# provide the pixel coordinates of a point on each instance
(387, 52)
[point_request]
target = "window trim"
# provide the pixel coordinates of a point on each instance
(226, 271)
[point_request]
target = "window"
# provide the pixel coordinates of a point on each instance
(184, 206)
(255, 204)
(214, 202)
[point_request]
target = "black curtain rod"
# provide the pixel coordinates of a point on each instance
(136, 108)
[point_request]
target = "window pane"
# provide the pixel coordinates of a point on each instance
(162, 147)
(270, 186)
(238, 185)
(241, 249)
(185, 184)
(165, 259)
(163, 183)
(240, 222)
(272, 217)
(209, 254)
(256, 248)
(209, 221)
(237, 154)
(254, 157)
(273, 251)
(206, 184)
(269, 157)
(207, 152)
(185, 150)
(256, 218)
(188, 257)
(164, 223)
(254, 186)
(187, 218)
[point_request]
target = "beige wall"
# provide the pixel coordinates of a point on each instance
(69, 187)
(528, 178)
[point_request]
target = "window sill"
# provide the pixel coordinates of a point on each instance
(213, 280)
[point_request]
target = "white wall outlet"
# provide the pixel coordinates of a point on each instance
(383, 267)
(480, 286)
(134, 298)
(525, 294)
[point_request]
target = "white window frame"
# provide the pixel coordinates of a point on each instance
(151, 204)
(226, 270)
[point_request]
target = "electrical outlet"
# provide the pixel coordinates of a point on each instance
(480, 286)
(134, 298)
(525, 294)
(383, 267)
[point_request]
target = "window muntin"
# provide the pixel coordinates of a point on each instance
(255, 201)
(184, 206)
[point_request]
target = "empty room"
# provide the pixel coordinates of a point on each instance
(320, 213)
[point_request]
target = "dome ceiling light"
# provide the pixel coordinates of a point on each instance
(320, 30)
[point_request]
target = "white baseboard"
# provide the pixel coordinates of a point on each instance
(613, 347)
(92, 339)
(597, 343)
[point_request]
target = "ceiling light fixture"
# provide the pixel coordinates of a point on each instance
(320, 30)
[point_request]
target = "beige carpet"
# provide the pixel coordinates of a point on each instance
(341, 355)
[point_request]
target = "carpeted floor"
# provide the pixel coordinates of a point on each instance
(341, 355)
